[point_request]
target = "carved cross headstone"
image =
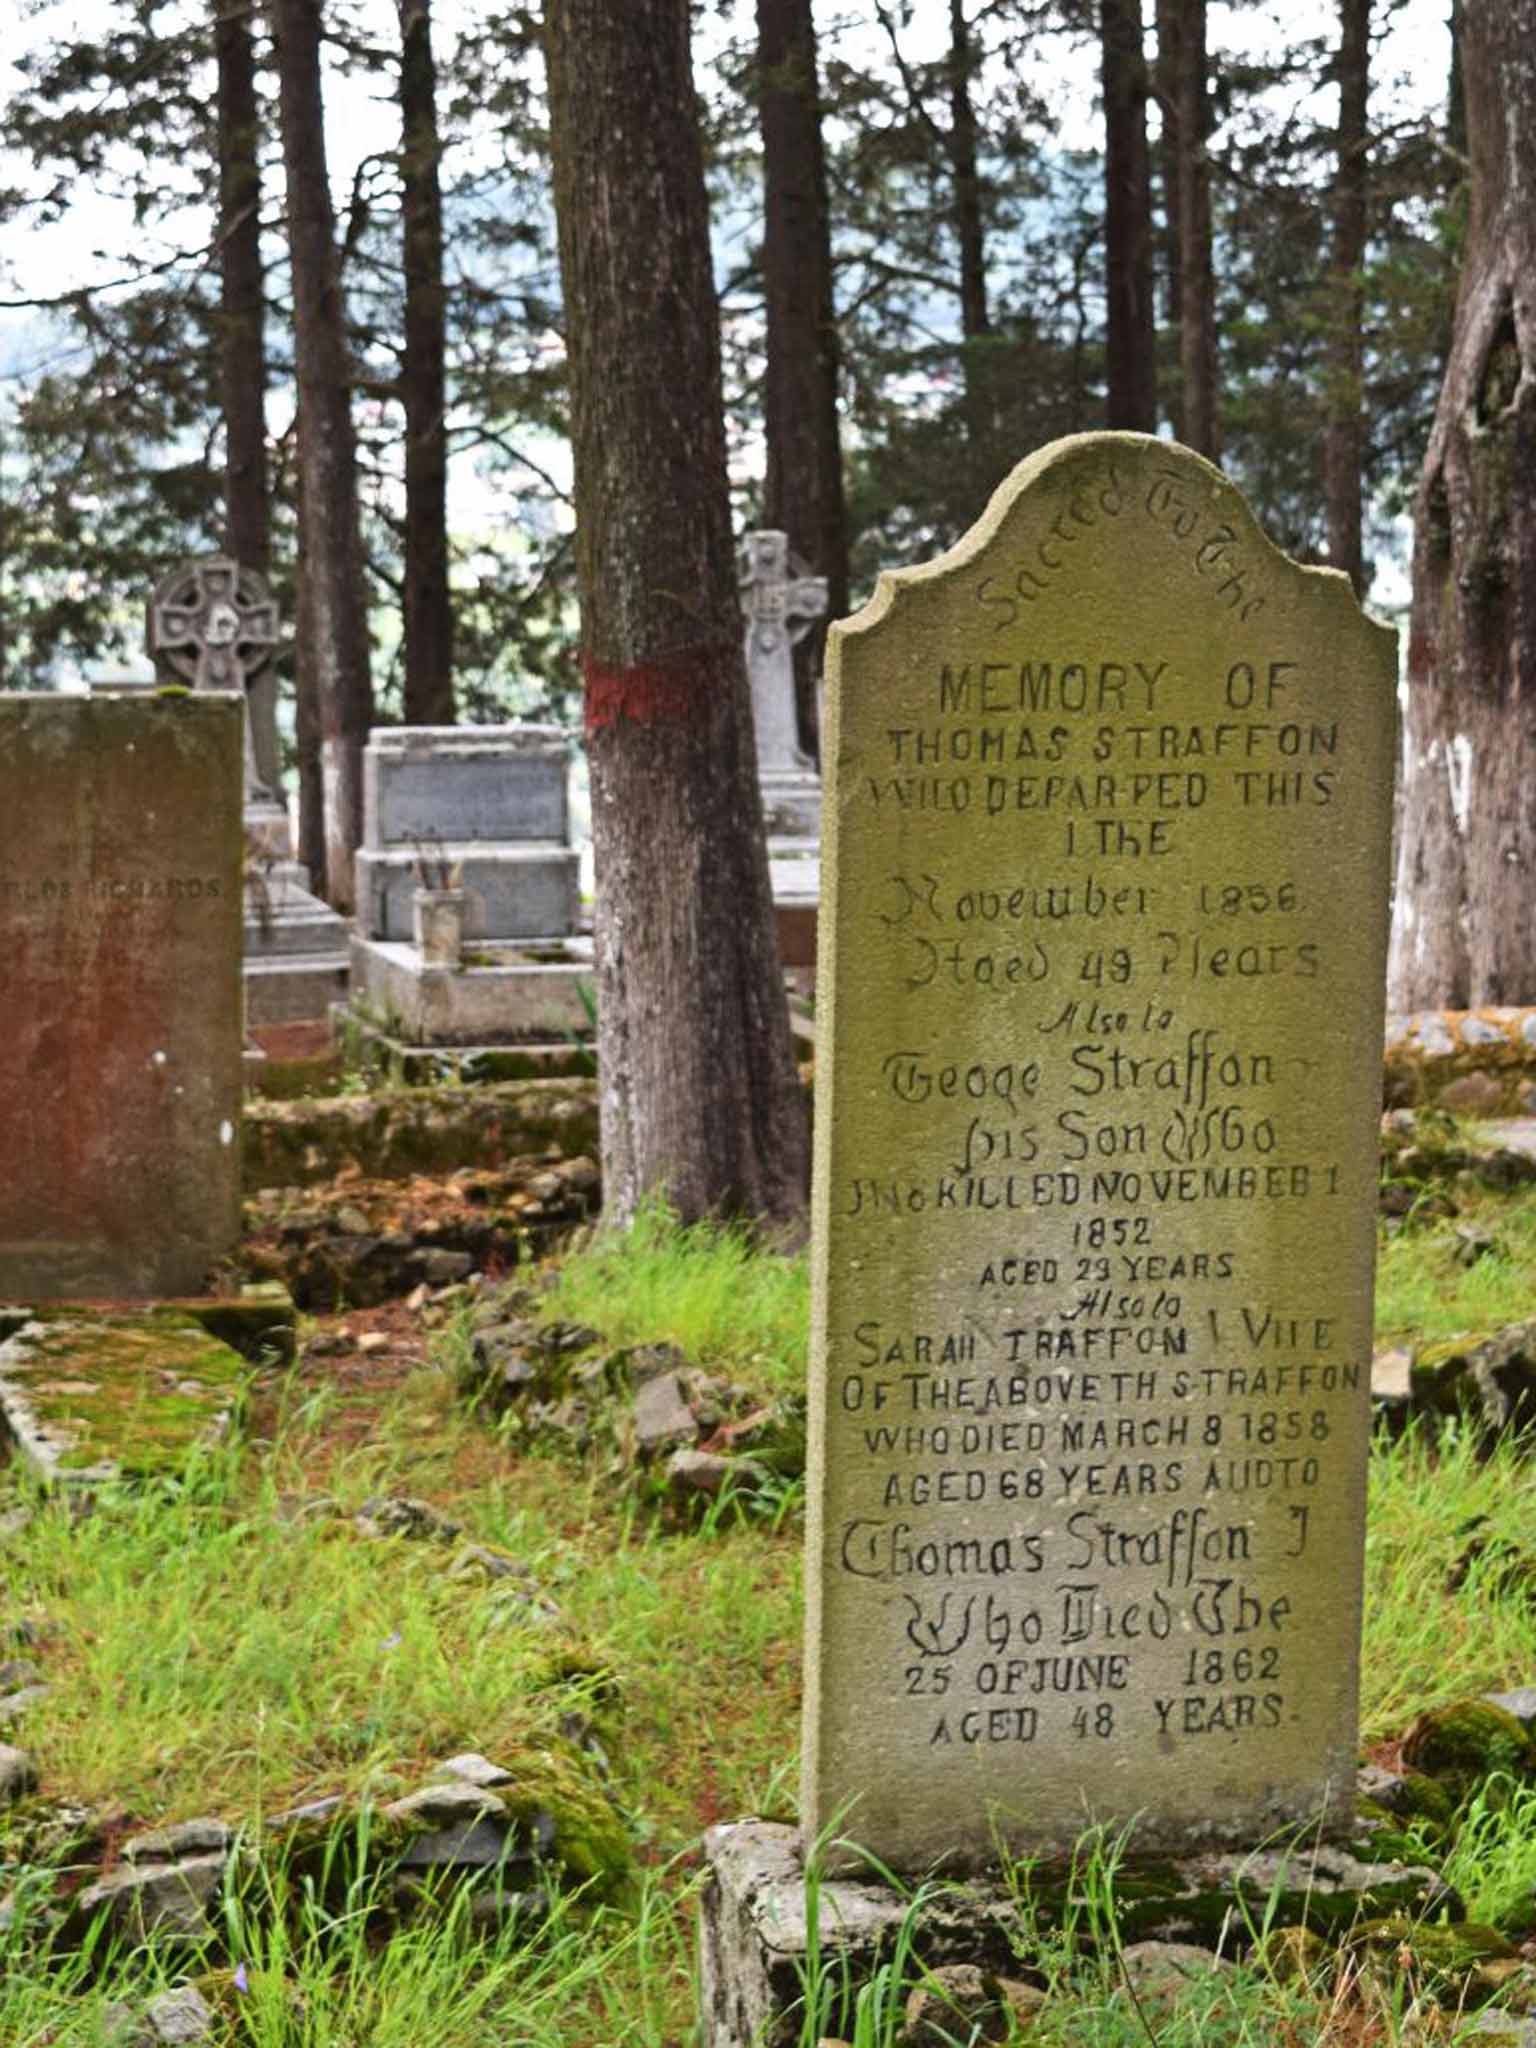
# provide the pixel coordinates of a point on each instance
(782, 603)
(214, 625)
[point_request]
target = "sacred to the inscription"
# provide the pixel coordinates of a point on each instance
(1101, 988)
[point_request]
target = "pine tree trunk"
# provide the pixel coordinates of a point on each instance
(1170, 22)
(804, 495)
(242, 353)
(428, 613)
(1200, 421)
(698, 1087)
(970, 231)
(1465, 928)
(1130, 343)
(334, 647)
(1344, 429)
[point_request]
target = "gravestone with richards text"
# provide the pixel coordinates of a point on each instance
(1103, 936)
(120, 929)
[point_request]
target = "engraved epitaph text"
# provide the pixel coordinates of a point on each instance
(1103, 924)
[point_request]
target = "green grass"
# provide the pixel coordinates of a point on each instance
(1424, 1294)
(235, 1645)
(708, 1290)
(1425, 1644)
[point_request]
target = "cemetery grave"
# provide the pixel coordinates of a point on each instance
(402, 1690)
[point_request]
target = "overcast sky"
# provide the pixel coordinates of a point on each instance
(98, 240)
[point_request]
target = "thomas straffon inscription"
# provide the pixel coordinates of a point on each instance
(1104, 922)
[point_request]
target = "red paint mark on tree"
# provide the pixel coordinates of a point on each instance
(675, 689)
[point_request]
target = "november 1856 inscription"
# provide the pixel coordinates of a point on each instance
(1102, 957)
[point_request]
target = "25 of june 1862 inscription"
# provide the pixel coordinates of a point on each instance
(1102, 959)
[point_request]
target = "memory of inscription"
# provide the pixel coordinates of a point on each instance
(1102, 1007)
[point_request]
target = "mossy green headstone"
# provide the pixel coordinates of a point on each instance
(120, 945)
(1098, 1077)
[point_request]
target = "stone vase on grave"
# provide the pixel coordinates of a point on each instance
(438, 926)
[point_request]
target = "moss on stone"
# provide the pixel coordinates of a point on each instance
(143, 1394)
(1291, 1955)
(259, 1322)
(1453, 1959)
(1467, 1741)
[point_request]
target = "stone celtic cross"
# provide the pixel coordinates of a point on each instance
(214, 625)
(782, 603)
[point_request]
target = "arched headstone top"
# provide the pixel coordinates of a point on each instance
(1125, 512)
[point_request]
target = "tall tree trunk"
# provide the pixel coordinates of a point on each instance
(970, 232)
(1344, 427)
(428, 621)
(333, 608)
(1170, 22)
(804, 496)
(242, 352)
(1130, 359)
(1465, 929)
(1200, 422)
(698, 1088)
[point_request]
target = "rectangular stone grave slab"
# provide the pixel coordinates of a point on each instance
(1098, 1078)
(527, 891)
(424, 784)
(507, 993)
(88, 1396)
(120, 925)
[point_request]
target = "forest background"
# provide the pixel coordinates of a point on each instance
(971, 173)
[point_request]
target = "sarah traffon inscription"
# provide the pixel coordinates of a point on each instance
(1101, 987)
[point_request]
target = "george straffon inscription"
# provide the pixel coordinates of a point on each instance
(1098, 1075)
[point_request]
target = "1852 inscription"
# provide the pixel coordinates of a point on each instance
(1102, 950)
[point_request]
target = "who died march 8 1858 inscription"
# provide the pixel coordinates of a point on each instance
(1101, 1004)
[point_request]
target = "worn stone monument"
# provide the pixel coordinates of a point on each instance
(120, 928)
(782, 602)
(480, 814)
(213, 625)
(1099, 1074)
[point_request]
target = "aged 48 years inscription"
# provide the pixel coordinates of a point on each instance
(1104, 923)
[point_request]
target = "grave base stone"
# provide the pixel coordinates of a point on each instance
(757, 1942)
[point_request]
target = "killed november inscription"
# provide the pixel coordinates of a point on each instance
(1095, 1126)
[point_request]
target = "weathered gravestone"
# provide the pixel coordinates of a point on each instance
(214, 626)
(120, 922)
(782, 602)
(1103, 933)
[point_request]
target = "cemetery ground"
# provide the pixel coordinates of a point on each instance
(552, 1520)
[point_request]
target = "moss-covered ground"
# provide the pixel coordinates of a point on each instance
(233, 1642)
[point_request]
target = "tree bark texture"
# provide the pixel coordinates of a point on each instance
(242, 352)
(699, 1094)
(428, 609)
(1130, 343)
(970, 230)
(1169, 23)
(1344, 426)
(1465, 925)
(804, 495)
(1200, 426)
(333, 609)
